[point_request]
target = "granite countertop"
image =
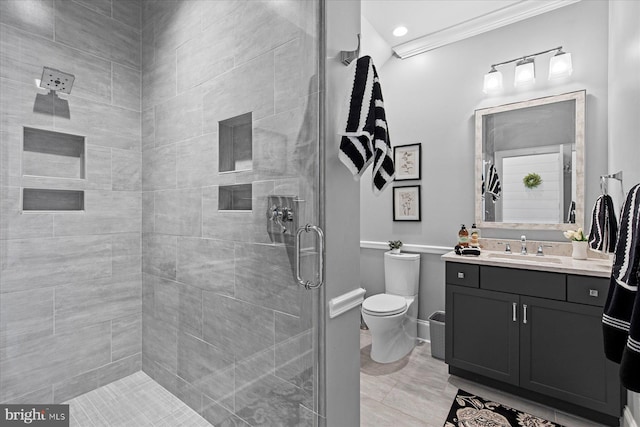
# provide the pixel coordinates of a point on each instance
(598, 267)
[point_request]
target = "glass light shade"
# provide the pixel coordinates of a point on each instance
(560, 65)
(492, 81)
(525, 72)
(400, 31)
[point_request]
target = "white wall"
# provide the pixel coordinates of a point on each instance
(431, 98)
(624, 109)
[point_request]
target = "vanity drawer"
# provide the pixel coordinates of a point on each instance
(587, 290)
(524, 282)
(462, 274)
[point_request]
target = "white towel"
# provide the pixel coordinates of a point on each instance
(365, 137)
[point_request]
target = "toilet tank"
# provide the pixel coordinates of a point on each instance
(401, 273)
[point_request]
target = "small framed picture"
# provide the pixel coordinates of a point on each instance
(406, 159)
(406, 203)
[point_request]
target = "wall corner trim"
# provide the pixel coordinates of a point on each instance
(345, 302)
(421, 249)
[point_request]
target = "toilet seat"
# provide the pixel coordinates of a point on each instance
(384, 305)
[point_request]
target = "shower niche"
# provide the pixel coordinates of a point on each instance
(60, 158)
(235, 197)
(235, 137)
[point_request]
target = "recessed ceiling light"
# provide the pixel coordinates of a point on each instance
(400, 31)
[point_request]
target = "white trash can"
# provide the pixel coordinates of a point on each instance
(436, 330)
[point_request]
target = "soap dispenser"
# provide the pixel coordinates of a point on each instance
(474, 238)
(463, 237)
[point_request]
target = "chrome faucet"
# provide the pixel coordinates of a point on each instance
(523, 245)
(507, 247)
(540, 252)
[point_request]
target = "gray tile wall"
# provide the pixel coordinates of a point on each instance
(224, 326)
(71, 283)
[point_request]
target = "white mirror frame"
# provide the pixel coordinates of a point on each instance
(580, 100)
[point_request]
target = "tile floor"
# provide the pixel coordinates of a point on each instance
(133, 401)
(418, 391)
(414, 391)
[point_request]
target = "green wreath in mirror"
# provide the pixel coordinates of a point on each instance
(532, 180)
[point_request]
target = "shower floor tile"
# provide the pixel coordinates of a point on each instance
(133, 401)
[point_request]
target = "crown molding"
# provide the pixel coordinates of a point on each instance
(482, 24)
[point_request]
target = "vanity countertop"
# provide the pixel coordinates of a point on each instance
(553, 263)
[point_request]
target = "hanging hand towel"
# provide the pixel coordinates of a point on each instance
(604, 226)
(365, 137)
(493, 183)
(621, 317)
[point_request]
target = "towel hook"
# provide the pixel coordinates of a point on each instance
(347, 56)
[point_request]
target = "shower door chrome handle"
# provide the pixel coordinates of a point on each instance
(306, 283)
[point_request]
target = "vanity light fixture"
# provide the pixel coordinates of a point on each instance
(525, 72)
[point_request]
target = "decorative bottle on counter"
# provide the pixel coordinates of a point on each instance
(474, 238)
(463, 237)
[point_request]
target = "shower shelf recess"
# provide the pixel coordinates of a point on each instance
(53, 167)
(235, 198)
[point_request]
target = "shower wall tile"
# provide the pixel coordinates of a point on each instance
(119, 369)
(159, 255)
(264, 276)
(288, 326)
(38, 263)
(91, 32)
(105, 125)
(243, 328)
(190, 310)
(178, 212)
(128, 12)
(98, 168)
(87, 303)
(208, 368)
(148, 45)
(206, 56)
(159, 165)
(270, 27)
(174, 384)
(24, 54)
(148, 210)
(160, 341)
(17, 107)
(100, 6)
(179, 118)
(14, 224)
(282, 399)
(176, 22)
(10, 155)
(294, 359)
(206, 263)
(25, 315)
(249, 87)
(159, 82)
(126, 336)
(197, 161)
(148, 128)
(35, 16)
(36, 364)
(218, 415)
(126, 170)
(294, 84)
(106, 212)
(126, 254)
(126, 86)
(75, 386)
(44, 396)
(253, 368)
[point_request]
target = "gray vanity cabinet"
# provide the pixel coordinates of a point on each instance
(533, 333)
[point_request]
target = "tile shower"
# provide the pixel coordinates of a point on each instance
(169, 264)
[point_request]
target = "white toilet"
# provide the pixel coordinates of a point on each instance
(392, 316)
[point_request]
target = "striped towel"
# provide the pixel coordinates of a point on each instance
(604, 226)
(621, 317)
(365, 138)
(492, 186)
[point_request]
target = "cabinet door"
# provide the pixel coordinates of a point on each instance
(561, 354)
(482, 332)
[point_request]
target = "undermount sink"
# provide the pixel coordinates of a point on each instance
(526, 258)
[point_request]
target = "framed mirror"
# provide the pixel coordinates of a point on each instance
(530, 164)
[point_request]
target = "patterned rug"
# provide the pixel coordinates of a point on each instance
(469, 410)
